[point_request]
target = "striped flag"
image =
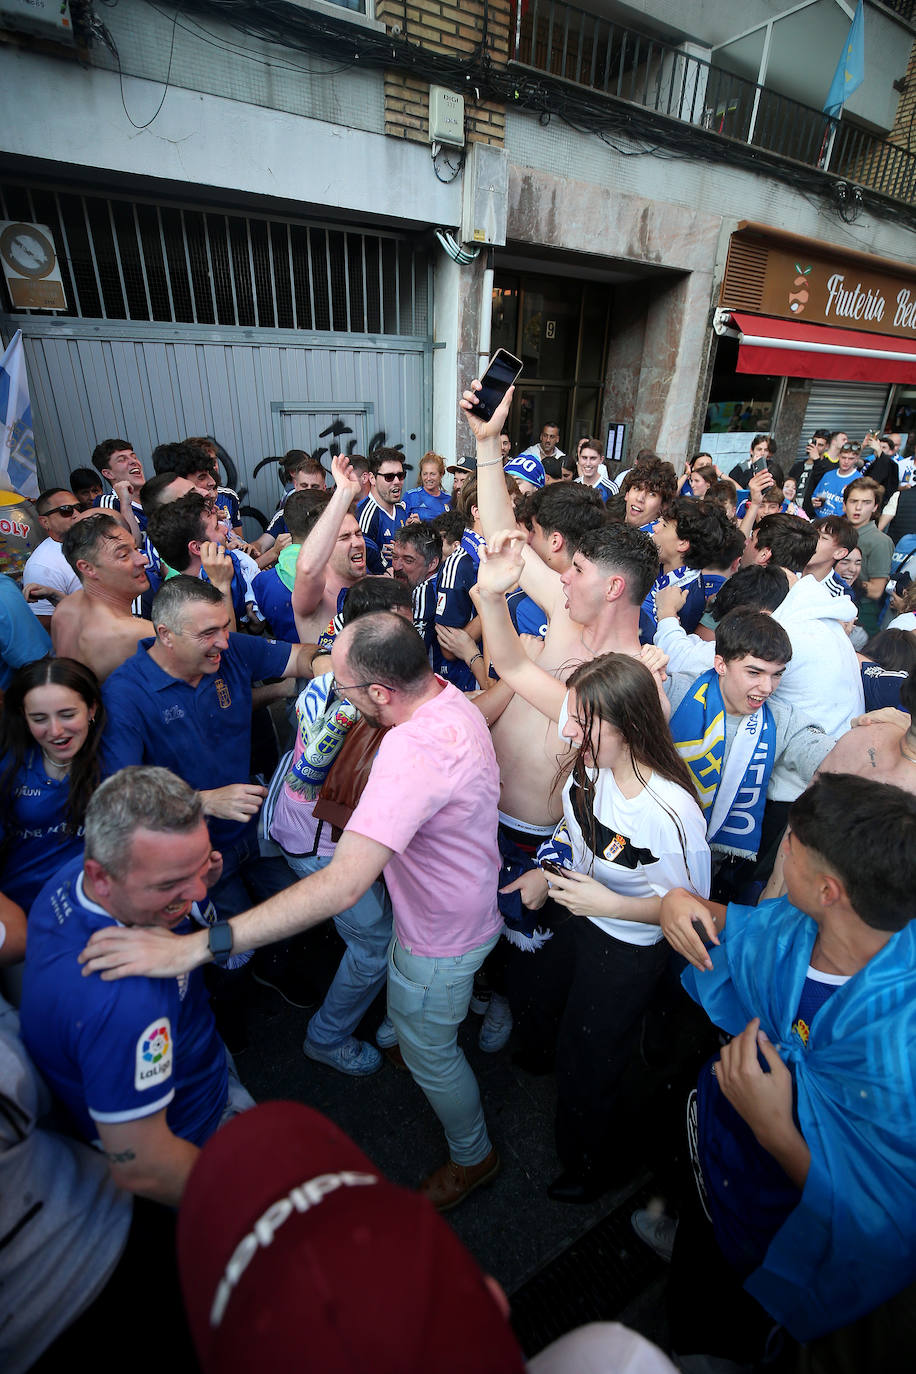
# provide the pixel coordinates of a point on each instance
(18, 471)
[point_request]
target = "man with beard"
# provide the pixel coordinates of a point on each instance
(434, 783)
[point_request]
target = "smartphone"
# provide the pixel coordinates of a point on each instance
(556, 869)
(503, 370)
(758, 465)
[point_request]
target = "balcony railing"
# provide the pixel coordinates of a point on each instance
(559, 40)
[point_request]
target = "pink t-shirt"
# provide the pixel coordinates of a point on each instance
(431, 797)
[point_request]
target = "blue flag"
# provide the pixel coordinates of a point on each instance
(17, 442)
(850, 72)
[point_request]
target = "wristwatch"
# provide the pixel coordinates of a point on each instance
(219, 941)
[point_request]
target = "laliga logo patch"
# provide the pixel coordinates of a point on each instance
(222, 693)
(154, 1055)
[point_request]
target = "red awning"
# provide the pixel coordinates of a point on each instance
(791, 348)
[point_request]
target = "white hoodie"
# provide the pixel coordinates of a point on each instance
(823, 681)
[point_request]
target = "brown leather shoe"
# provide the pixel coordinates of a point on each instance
(453, 1182)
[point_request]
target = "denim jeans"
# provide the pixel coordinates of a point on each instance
(365, 929)
(427, 1001)
(247, 878)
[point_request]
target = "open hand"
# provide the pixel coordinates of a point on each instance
(345, 478)
(141, 952)
(501, 563)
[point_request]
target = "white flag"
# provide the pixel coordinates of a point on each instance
(18, 471)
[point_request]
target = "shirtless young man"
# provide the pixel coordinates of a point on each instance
(592, 608)
(332, 558)
(95, 625)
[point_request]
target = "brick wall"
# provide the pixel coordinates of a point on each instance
(443, 27)
(902, 133)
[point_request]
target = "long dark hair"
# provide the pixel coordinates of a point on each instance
(620, 691)
(16, 738)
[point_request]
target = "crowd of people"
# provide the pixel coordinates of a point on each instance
(622, 760)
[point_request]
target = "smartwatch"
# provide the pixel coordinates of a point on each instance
(219, 941)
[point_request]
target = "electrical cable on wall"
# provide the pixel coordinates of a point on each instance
(629, 130)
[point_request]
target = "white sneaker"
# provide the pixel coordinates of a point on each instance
(656, 1230)
(497, 1025)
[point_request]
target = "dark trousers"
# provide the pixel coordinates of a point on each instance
(709, 1312)
(611, 986)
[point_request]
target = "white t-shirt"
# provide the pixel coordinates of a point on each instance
(48, 567)
(906, 621)
(645, 845)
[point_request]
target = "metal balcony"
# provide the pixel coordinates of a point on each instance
(596, 55)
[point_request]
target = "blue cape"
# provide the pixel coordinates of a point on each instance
(851, 1242)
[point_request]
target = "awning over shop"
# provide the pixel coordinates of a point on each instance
(791, 348)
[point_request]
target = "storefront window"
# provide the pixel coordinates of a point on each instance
(739, 402)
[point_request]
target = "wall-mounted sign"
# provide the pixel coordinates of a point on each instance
(806, 281)
(30, 266)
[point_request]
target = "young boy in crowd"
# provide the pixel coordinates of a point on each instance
(861, 504)
(698, 547)
(734, 737)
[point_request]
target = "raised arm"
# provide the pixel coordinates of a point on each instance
(538, 581)
(500, 566)
(308, 587)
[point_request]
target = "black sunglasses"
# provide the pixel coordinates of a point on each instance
(61, 510)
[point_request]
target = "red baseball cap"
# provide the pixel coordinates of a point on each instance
(296, 1253)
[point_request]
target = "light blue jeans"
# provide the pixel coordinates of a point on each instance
(427, 1001)
(366, 931)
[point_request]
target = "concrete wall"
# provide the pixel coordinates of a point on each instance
(217, 142)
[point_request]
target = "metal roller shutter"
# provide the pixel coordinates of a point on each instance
(856, 407)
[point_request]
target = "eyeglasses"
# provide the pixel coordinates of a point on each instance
(62, 510)
(342, 688)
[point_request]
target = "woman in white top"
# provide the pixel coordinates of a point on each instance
(631, 831)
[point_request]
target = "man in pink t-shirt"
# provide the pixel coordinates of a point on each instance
(427, 819)
(431, 803)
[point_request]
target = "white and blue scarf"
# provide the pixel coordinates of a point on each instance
(731, 791)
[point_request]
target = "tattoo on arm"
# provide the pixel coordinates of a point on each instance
(120, 1157)
(871, 755)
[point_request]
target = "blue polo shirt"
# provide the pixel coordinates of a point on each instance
(202, 733)
(419, 502)
(116, 1051)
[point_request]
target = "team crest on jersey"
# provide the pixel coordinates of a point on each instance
(614, 847)
(222, 693)
(153, 1061)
